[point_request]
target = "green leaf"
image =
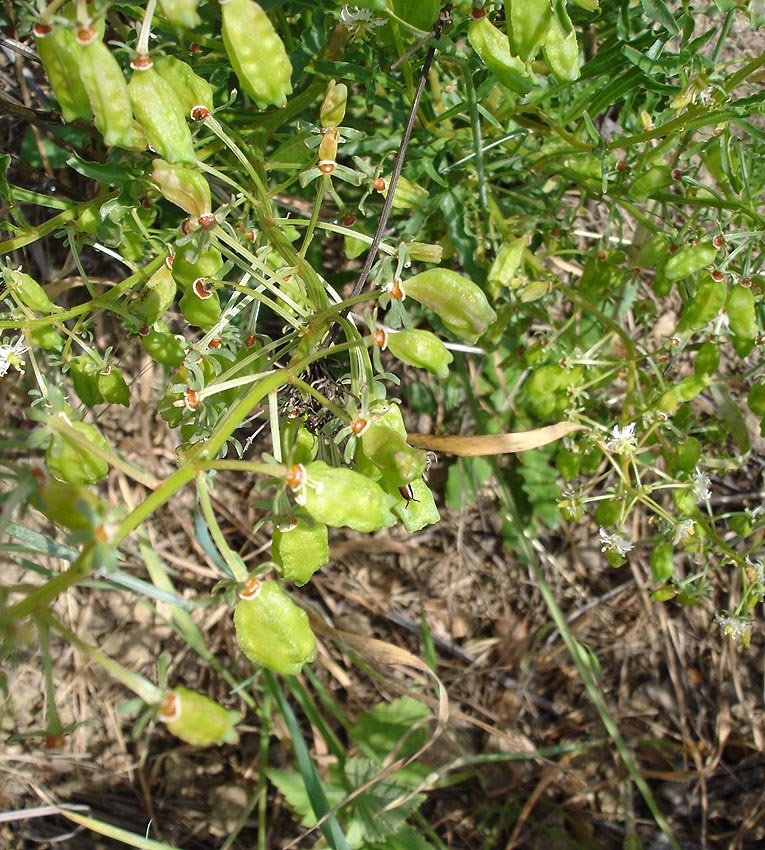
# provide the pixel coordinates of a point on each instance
(292, 788)
(657, 10)
(405, 839)
(382, 728)
(369, 806)
(465, 480)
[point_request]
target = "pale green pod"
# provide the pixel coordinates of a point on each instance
(256, 53)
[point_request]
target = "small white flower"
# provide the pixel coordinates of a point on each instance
(735, 626)
(701, 491)
(756, 512)
(359, 21)
(10, 355)
(684, 529)
(623, 440)
(614, 543)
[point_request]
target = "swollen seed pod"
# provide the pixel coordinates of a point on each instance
(68, 505)
(83, 371)
(341, 498)
(155, 298)
(332, 109)
(256, 53)
(200, 304)
(76, 464)
(418, 508)
(107, 90)
(182, 186)
(160, 113)
(162, 346)
(457, 301)
(299, 548)
(272, 631)
(198, 720)
(561, 49)
(181, 13)
(702, 307)
(28, 292)
(60, 55)
(492, 47)
(421, 349)
(113, 386)
(688, 260)
(190, 89)
(189, 264)
(740, 308)
(528, 22)
(390, 452)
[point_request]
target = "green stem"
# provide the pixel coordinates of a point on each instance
(139, 685)
(233, 562)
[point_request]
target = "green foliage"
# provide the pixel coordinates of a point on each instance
(575, 235)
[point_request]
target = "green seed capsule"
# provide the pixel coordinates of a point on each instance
(419, 13)
(528, 22)
(155, 298)
(492, 48)
(332, 109)
(740, 308)
(506, 264)
(183, 186)
(756, 399)
(181, 13)
(198, 720)
(561, 49)
(189, 264)
(160, 113)
(407, 195)
(67, 505)
(271, 630)
(60, 55)
(457, 301)
(340, 498)
(162, 346)
(84, 373)
(113, 386)
(416, 508)
(107, 90)
(649, 182)
(299, 549)
(71, 462)
(421, 349)
(28, 292)
(689, 260)
(256, 53)
(707, 359)
(703, 306)
(389, 451)
(200, 305)
(190, 89)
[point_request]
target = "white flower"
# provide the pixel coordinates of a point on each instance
(684, 529)
(359, 21)
(623, 440)
(10, 355)
(735, 626)
(701, 491)
(614, 542)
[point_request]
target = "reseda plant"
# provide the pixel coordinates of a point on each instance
(590, 227)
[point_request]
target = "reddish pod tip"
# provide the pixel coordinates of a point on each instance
(142, 62)
(359, 425)
(199, 112)
(206, 221)
(40, 30)
(170, 709)
(202, 288)
(327, 166)
(251, 589)
(380, 338)
(296, 476)
(379, 184)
